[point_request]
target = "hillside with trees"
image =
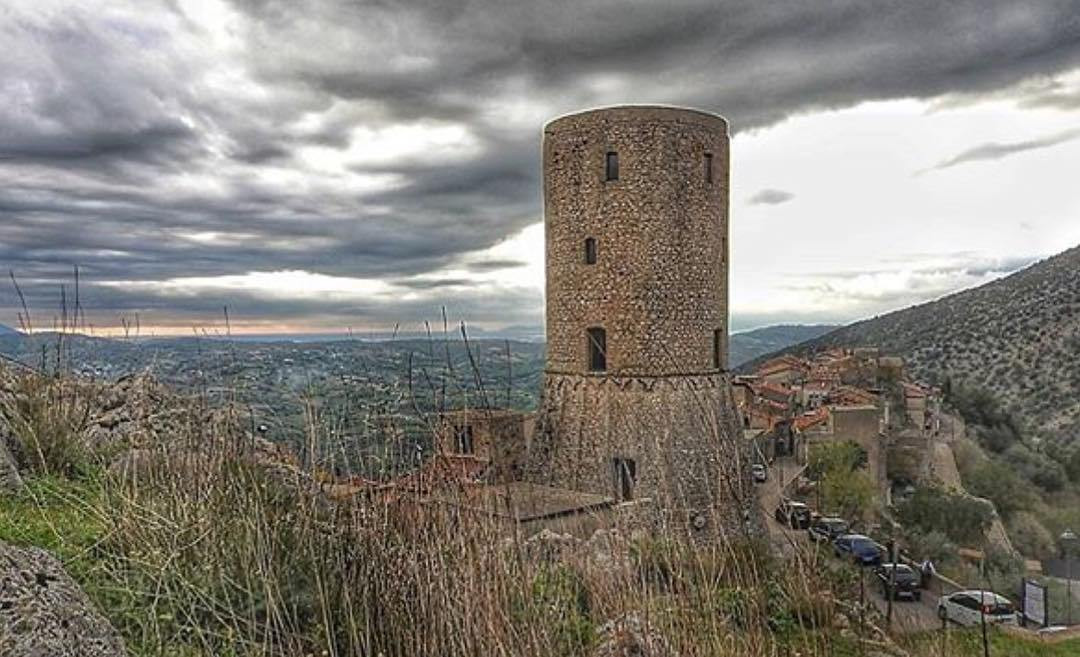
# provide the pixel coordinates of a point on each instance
(1017, 338)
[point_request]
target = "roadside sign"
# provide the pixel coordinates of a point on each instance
(1035, 600)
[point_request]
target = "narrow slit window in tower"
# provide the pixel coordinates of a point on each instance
(597, 349)
(590, 250)
(625, 471)
(717, 348)
(611, 166)
(708, 167)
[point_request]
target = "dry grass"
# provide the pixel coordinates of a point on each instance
(199, 549)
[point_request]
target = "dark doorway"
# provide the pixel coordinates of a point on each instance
(625, 478)
(465, 439)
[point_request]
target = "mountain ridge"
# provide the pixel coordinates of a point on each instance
(1017, 337)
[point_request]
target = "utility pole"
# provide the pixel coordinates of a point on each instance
(1068, 544)
(891, 592)
(862, 608)
(982, 608)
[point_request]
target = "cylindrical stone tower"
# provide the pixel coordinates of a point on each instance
(637, 402)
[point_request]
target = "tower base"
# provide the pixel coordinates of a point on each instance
(673, 445)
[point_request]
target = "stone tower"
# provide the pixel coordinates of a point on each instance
(637, 401)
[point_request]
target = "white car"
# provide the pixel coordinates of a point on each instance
(969, 607)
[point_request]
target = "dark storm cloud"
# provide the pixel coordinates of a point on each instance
(144, 146)
(770, 197)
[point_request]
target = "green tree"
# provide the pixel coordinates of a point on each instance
(844, 489)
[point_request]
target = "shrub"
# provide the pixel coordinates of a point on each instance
(1037, 468)
(47, 417)
(963, 519)
(1030, 537)
(999, 484)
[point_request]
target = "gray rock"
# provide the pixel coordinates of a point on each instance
(44, 613)
(630, 636)
(10, 480)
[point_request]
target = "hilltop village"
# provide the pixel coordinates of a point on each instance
(791, 403)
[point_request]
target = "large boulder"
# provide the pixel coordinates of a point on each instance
(43, 613)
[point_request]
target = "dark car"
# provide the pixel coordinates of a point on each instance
(858, 548)
(793, 514)
(827, 528)
(905, 581)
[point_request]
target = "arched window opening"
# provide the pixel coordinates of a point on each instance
(597, 349)
(717, 349)
(708, 168)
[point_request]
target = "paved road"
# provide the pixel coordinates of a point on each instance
(796, 547)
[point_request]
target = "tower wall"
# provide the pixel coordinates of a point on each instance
(659, 283)
(658, 288)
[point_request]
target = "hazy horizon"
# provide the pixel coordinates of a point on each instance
(190, 156)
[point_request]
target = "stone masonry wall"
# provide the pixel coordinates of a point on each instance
(682, 433)
(659, 285)
(659, 290)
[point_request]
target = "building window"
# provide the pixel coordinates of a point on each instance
(611, 166)
(464, 439)
(590, 250)
(597, 349)
(708, 167)
(625, 471)
(717, 349)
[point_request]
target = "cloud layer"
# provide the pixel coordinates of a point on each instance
(770, 197)
(152, 141)
(996, 151)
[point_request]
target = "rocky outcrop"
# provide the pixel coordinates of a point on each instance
(44, 613)
(10, 479)
(630, 636)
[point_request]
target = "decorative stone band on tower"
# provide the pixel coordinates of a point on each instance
(637, 400)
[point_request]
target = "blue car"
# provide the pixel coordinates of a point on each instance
(858, 548)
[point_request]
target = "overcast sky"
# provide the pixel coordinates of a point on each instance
(328, 164)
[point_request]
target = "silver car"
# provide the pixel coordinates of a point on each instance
(970, 607)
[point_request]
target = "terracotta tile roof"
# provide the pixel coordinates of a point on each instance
(913, 390)
(444, 470)
(850, 395)
(782, 364)
(814, 418)
(775, 392)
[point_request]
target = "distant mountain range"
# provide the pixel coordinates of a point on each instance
(748, 345)
(1018, 337)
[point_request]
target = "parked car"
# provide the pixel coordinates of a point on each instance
(759, 472)
(904, 581)
(827, 528)
(858, 548)
(969, 608)
(793, 514)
